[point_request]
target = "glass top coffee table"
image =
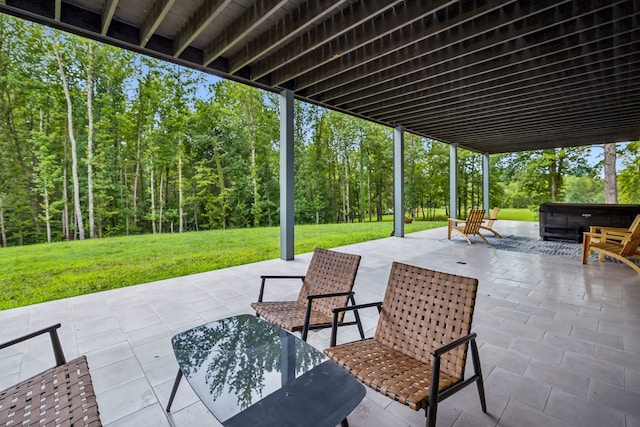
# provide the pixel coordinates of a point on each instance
(248, 372)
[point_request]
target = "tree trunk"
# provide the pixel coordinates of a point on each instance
(74, 156)
(136, 178)
(180, 209)
(553, 175)
(92, 226)
(66, 229)
(610, 175)
(223, 190)
(160, 202)
(3, 232)
(153, 203)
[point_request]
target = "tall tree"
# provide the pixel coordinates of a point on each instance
(72, 139)
(610, 174)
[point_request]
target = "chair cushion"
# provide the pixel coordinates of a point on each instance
(289, 315)
(389, 371)
(60, 396)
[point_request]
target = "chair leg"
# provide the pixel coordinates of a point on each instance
(357, 316)
(344, 423)
(174, 390)
(431, 415)
(475, 357)
(585, 249)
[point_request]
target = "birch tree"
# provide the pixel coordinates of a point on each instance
(72, 139)
(610, 174)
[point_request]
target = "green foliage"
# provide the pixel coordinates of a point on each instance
(45, 272)
(175, 150)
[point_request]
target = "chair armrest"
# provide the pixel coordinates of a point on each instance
(338, 310)
(437, 353)
(281, 277)
(336, 294)
(265, 277)
(616, 236)
(448, 347)
(55, 341)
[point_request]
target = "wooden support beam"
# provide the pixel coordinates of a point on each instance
(58, 10)
(289, 27)
(349, 19)
(255, 15)
(197, 23)
(108, 12)
(154, 18)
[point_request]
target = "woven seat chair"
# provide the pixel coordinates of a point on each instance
(467, 227)
(60, 396)
(418, 353)
(619, 243)
(327, 284)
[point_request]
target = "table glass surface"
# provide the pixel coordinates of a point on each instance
(232, 364)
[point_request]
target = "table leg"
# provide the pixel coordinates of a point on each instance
(175, 388)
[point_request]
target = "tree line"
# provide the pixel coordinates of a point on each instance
(97, 141)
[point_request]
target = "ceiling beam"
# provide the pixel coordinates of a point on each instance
(524, 92)
(441, 95)
(255, 15)
(575, 121)
(453, 64)
(197, 23)
(331, 28)
(289, 27)
(379, 27)
(58, 10)
(108, 13)
(155, 16)
(476, 119)
(489, 66)
(426, 40)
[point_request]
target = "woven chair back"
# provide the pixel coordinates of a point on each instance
(474, 221)
(424, 309)
(329, 272)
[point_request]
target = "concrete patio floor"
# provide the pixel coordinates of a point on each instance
(559, 341)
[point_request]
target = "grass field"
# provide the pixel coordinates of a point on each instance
(44, 272)
(510, 214)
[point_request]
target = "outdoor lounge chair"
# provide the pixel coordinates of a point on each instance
(328, 284)
(468, 227)
(60, 396)
(619, 243)
(418, 353)
(490, 221)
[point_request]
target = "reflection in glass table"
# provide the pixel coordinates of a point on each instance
(249, 372)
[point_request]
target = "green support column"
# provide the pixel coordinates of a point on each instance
(453, 181)
(485, 183)
(286, 175)
(398, 181)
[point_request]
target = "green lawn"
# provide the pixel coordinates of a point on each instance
(44, 272)
(511, 214)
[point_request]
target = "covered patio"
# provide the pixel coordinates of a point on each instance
(559, 341)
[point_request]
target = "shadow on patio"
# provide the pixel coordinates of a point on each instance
(559, 341)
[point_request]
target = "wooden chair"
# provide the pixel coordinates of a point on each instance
(468, 227)
(328, 284)
(490, 221)
(619, 243)
(60, 396)
(418, 353)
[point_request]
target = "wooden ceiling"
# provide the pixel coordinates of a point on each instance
(490, 76)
